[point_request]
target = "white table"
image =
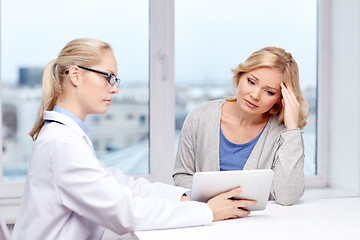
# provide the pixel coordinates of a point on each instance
(337, 218)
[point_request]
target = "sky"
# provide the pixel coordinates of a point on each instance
(211, 37)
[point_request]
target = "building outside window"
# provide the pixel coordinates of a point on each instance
(209, 41)
(212, 37)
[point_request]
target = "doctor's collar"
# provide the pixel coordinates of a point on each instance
(73, 117)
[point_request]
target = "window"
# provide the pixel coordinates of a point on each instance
(34, 35)
(212, 37)
(28, 42)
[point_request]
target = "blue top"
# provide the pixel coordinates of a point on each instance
(73, 117)
(234, 156)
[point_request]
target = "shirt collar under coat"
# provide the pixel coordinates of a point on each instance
(73, 117)
(52, 116)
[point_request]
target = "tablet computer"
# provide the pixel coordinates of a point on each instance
(255, 185)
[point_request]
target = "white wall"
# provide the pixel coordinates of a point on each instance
(344, 122)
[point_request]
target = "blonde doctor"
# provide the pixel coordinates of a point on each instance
(69, 194)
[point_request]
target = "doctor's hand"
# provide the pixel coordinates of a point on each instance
(223, 207)
(291, 107)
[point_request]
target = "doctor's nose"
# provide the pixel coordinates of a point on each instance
(114, 89)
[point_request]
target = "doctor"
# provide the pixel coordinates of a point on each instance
(69, 194)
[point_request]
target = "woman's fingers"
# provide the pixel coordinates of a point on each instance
(288, 94)
(291, 107)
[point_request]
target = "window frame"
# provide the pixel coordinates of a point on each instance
(337, 146)
(323, 94)
(162, 91)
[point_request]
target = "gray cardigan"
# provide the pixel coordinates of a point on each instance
(277, 148)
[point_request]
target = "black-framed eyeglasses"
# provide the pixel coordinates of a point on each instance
(110, 77)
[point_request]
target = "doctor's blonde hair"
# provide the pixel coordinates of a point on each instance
(83, 51)
(278, 58)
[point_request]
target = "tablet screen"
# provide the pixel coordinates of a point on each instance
(255, 185)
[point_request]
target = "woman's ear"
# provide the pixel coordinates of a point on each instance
(74, 75)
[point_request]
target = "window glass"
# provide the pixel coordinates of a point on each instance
(33, 34)
(212, 37)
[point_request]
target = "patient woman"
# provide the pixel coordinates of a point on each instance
(259, 128)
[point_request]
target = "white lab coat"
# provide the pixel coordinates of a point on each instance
(69, 194)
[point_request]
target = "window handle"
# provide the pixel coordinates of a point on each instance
(163, 59)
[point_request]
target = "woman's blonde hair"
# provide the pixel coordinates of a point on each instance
(83, 51)
(274, 57)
